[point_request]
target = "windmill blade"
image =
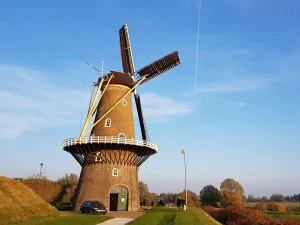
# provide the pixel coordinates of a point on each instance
(126, 53)
(144, 131)
(159, 66)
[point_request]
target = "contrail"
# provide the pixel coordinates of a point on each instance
(197, 51)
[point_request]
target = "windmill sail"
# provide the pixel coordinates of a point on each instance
(159, 66)
(126, 53)
(144, 131)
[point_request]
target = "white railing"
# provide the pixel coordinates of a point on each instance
(109, 140)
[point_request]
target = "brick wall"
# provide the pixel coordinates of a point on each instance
(96, 181)
(121, 116)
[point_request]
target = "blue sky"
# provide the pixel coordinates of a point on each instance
(242, 120)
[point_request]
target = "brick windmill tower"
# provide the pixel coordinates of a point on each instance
(107, 149)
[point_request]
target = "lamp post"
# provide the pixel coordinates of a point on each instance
(41, 169)
(184, 152)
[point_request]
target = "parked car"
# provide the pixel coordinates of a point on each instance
(93, 207)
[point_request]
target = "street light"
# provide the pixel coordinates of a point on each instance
(184, 152)
(41, 169)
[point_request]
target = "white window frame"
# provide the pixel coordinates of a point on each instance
(105, 123)
(120, 139)
(113, 174)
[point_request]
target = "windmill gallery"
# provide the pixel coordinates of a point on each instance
(111, 155)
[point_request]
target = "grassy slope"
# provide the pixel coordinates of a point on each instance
(21, 205)
(18, 202)
(167, 216)
(66, 218)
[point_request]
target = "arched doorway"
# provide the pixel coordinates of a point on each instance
(118, 199)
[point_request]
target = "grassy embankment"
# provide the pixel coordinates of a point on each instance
(170, 216)
(20, 205)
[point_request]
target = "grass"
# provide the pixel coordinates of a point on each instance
(170, 216)
(65, 218)
(18, 202)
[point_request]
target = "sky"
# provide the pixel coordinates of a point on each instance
(237, 117)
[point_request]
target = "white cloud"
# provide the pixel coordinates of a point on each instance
(158, 108)
(30, 102)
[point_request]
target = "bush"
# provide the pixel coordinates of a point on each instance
(216, 213)
(230, 198)
(193, 199)
(261, 206)
(293, 209)
(275, 207)
(244, 216)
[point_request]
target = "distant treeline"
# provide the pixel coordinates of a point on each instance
(275, 198)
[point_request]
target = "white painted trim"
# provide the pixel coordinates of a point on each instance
(106, 139)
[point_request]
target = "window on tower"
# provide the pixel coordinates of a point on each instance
(122, 138)
(124, 102)
(107, 122)
(115, 172)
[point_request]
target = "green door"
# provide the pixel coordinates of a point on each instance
(122, 201)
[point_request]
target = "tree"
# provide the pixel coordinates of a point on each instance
(193, 199)
(277, 198)
(145, 196)
(209, 195)
(264, 199)
(234, 186)
(251, 198)
(68, 180)
(46, 189)
(68, 185)
(230, 198)
(143, 191)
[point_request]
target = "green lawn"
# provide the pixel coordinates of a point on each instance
(65, 218)
(168, 216)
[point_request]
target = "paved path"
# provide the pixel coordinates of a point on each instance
(121, 217)
(124, 214)
(117, 221)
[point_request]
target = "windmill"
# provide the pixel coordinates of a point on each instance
(107, 149)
